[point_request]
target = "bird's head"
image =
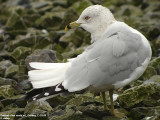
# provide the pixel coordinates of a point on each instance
(93, 19)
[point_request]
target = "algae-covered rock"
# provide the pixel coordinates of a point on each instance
(152, 69)
(21, 52)
(73, 53)
(139, 113)
(35, 42)
(7, 91)
(50, 19)
(69, 16)
(11, 71)
(45, 55)
(58, 100)
(76, 36)
(69, 114)
(7, 81)
(138, 94)
(36, 106)
(79, 6)
(15, 22)
(11, 114)
(3, 66)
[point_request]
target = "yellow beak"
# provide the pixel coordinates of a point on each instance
(72, 25)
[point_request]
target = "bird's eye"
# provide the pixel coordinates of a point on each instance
(87, 18)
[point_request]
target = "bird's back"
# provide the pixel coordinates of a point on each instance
(118, 58)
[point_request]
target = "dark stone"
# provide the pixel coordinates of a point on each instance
(139, 113)
(48, 56)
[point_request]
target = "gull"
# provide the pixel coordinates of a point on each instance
(118, 55)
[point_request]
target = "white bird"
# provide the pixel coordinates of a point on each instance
(117, 56)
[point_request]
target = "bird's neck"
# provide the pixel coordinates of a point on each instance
(98, 33)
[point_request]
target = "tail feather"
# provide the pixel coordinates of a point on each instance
(41, 66)
(48, 74)
(47, 92)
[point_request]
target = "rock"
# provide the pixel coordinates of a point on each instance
(80, 100)
(69, 114)
(152, 118)
(11, 71)
(34, 42)
(113, 118)
(69, 16)
(79, 6)
(152, 69)
(3, 66)
(75, 36)
(139, 94)
(70, 2)
(55, 35)
(11, 114)
(7, 81)
(140, 113)
(48, 56)
(4, 55)
(37, 107)
(50, 19)
(39, 4)
(21, 52)
(58, 100)
(7, 91)
(25, 85)
(129, 10)
(62, 3)
(73, 53)
(15, 22)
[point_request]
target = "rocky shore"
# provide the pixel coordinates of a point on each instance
(33, 30)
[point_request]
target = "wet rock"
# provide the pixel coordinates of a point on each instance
(140, 113)
(3, 66)
(21, 52)
(48, 56)
(79, 6)
(7, 91)
(35, 42)
(37, 107)
(136, 95)
(15, 22)
(11, 71)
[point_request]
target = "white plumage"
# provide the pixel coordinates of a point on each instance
(48, 74)
(118, 55)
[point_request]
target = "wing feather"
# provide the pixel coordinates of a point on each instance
(111, 59)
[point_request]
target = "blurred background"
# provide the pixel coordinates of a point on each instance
(33, 30)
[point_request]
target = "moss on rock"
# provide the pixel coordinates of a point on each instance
(138, 94)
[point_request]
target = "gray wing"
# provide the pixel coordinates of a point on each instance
(111, 59)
